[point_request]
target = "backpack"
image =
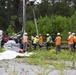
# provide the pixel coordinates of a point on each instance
(50, 39)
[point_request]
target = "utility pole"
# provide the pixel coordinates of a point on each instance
(35, 21)
(32, 4)
(24, 16)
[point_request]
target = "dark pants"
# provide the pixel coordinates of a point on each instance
(25, 46)
(74, 45)
(58, 48)
(40, 45)
(34, 46)
(48, 44)
(71, 47)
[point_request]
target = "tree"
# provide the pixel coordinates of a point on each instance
(11, 27)
(3, 16)
(62, 8)
(44, 8)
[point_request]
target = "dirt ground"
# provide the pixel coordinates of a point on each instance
(20, 67)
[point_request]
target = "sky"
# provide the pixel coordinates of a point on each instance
(37, 1)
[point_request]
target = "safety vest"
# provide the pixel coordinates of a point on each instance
(25, 39)
(40, 39)
(58, 40)
(70, 39)
(48, 40)
(74, 38)
(35, 41)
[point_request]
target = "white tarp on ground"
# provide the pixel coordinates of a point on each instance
(12, 54)
(12, 50)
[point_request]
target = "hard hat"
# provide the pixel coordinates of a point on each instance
(73, 33)
(69, 33)
(47, 34)
(39, 34)
(36, 36)
(58, 33)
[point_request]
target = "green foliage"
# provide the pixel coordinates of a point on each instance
(52, 25)
(44, 8)
(59, 61)
(11, 27)
(30, 28)
(1, 49)
(73, 22)
(44, 25)
(46, 21)
(43, 56)
(3, 16)
(62, 8)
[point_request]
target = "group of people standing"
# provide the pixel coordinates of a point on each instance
(37, 41)
(71, 41)
(57, 42)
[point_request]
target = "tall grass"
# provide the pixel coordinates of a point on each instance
(44, 58)
(1, 49)
(44, 54)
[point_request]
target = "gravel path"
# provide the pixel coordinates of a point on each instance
(19, 67)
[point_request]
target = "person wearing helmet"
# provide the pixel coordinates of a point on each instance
(48, 41)
(70, 41)
(69, 33)
(58, 42)
(25, 42)
(40, 41)
(74, 44)
(35, 42)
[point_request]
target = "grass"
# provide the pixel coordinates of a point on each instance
(45, 57)
(1, 49)
(44, 54)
